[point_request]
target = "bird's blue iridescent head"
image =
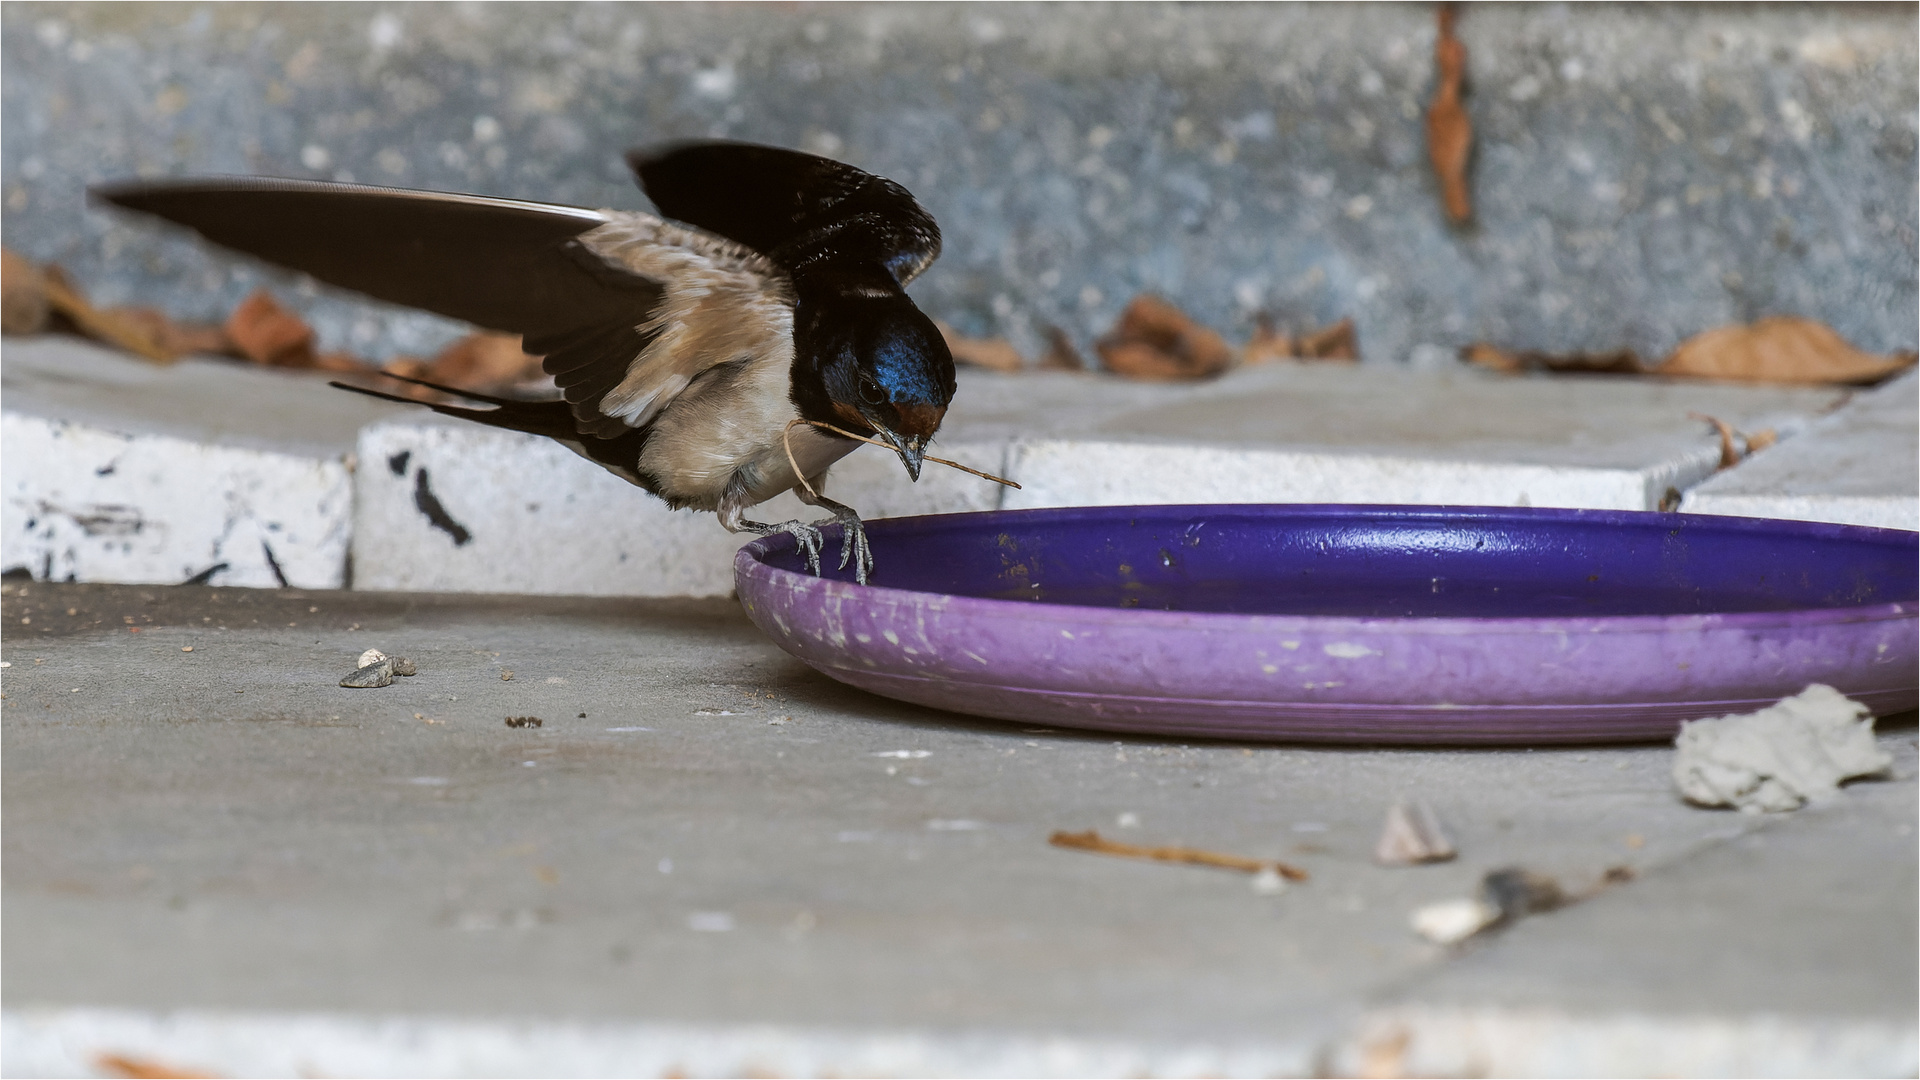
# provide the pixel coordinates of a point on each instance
(885, 369)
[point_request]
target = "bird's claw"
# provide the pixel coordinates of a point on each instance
(805, 537)
(854, 546)
(854, 549)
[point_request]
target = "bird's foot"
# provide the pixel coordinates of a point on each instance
(854, 548)
(806, 537)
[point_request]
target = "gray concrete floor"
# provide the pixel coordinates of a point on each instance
(704, 831)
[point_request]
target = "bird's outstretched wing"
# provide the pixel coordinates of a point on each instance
(498, 263)
(789, 206)
(625, 309)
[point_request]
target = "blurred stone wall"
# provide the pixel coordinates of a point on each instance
(1642, 172)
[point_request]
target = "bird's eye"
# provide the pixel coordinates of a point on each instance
(871, 393)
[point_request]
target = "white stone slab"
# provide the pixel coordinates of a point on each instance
(448, 506)
(119, 471)
(1858, 466)
(1323, 433)
(221, 457)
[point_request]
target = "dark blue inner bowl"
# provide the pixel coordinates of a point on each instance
(1391, 561)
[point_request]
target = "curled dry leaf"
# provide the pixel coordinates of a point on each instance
(1736, 445)
(1449, 131)
(1268, 344)
(23, 295)
(266, 333)
(1782, 349)
(994, 354)
(114, 327)
(1156, 341)
(1336, 342)
(1060, 354)
(485, 361)
(1494, 358)
(176, 338)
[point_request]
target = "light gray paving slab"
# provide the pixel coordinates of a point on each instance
(119, 470)
(732, 864)
(1858, 466)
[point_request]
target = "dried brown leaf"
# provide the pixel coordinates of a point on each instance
(113, 328)
(1060, 354)
(176, 338)
(139, 1068)
(484, 362)
(1156, 341)
(266, 333)
(994, 354)
(1494, 358)
(1449, 130)
(23, 295)
(1783, 349)
(1268, 344)
(1336, 342)
(1735, 445)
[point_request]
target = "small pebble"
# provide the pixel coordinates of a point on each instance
(378, 673)
(371, 656)
(186, 648)
(404, 666)
(523, 721)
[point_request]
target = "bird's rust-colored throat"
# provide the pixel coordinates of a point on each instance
(786, 439)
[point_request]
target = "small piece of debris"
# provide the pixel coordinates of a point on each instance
(1412, 835)
(779, 720)
(378, 673)
(401, 665)
(1781, 757)
(583, 716)
(523, 721)
(1094, 842)
(1518, 892)
(186, 648)
(1127, 819)
(506, 676)
(903, 753)
(1268, 882)
(1452, 921)
(1505, 895)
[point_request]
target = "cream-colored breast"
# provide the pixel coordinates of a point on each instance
(721, 439)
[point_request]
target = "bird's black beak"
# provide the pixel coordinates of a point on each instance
(911, 449)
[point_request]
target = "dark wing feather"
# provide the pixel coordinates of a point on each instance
(498, 263)
(793, 208)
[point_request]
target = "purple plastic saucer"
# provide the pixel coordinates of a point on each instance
(1357, 624)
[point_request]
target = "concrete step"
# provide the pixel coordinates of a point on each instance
(118, 471)
(1858, 466)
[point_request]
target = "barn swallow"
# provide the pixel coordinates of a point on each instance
(771, 290)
